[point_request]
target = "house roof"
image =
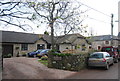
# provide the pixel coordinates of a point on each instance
(103, 37)
(18, 37)
(47, 38)
(70, 38)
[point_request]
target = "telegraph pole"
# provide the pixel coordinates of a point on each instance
(112, 29)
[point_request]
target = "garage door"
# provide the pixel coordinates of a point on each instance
(7, 49)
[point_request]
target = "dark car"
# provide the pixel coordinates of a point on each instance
(113, 51)
(34, 53)
(43, 52)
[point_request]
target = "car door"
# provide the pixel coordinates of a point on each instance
(109, 58)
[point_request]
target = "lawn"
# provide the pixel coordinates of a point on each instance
(45, 62)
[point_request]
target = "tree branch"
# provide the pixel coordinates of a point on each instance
(10, 8)
(13, 24)
(40, 14)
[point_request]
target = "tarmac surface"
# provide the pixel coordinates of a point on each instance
(98, 73)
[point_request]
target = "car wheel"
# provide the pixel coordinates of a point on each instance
(116, 60)
(112, 63)
(88, 67)
(107, 66)
(34, 56)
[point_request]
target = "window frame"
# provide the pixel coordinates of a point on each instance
(24, 47)
(107, 42)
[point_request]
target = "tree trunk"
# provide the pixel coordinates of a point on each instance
(52, 36)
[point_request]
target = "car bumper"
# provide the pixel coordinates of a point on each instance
(102, 64)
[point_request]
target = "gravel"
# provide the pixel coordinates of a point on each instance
(30, 68)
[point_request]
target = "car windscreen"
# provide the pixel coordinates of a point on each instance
(96, 55)
(38, 51)
(44, 51)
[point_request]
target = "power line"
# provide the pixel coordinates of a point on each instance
(95, 9)
(98, 20)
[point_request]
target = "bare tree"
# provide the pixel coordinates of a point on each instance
(14, 13)
(59, 14)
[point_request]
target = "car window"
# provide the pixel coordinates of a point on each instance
(38, 50)
(96, 55)
(44, 50)
(107, 55)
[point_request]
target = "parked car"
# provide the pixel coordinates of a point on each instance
(100, 59)
(113, 51)
(34, 53)
(43, 52)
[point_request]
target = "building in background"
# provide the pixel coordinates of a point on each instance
(119, 24)
(97, 42)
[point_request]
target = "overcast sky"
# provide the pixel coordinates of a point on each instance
(97, 22)
(100, 24)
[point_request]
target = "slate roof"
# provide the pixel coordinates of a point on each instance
(103, 38)
(18, 37)
(70, 38)
(47, 38)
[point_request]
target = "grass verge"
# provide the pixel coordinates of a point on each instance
(45, 62)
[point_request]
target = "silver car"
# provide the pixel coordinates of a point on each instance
(100, 59)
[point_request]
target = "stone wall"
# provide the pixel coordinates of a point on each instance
(73, 62)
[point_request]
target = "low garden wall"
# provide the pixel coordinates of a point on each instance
(73, 62)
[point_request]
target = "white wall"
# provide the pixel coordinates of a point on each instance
(63, 47)
(95, 44)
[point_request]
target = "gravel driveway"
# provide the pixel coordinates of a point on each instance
(30, 68)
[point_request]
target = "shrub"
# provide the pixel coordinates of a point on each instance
(44, 58)
(24, 54)
(7, 56)
(61, 54)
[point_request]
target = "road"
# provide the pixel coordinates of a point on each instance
(97, 73)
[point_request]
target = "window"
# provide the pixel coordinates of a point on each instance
(83, 47)
(99, 47)
(106, 42)
(40, 46)
(24, 47)
(90, 47)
